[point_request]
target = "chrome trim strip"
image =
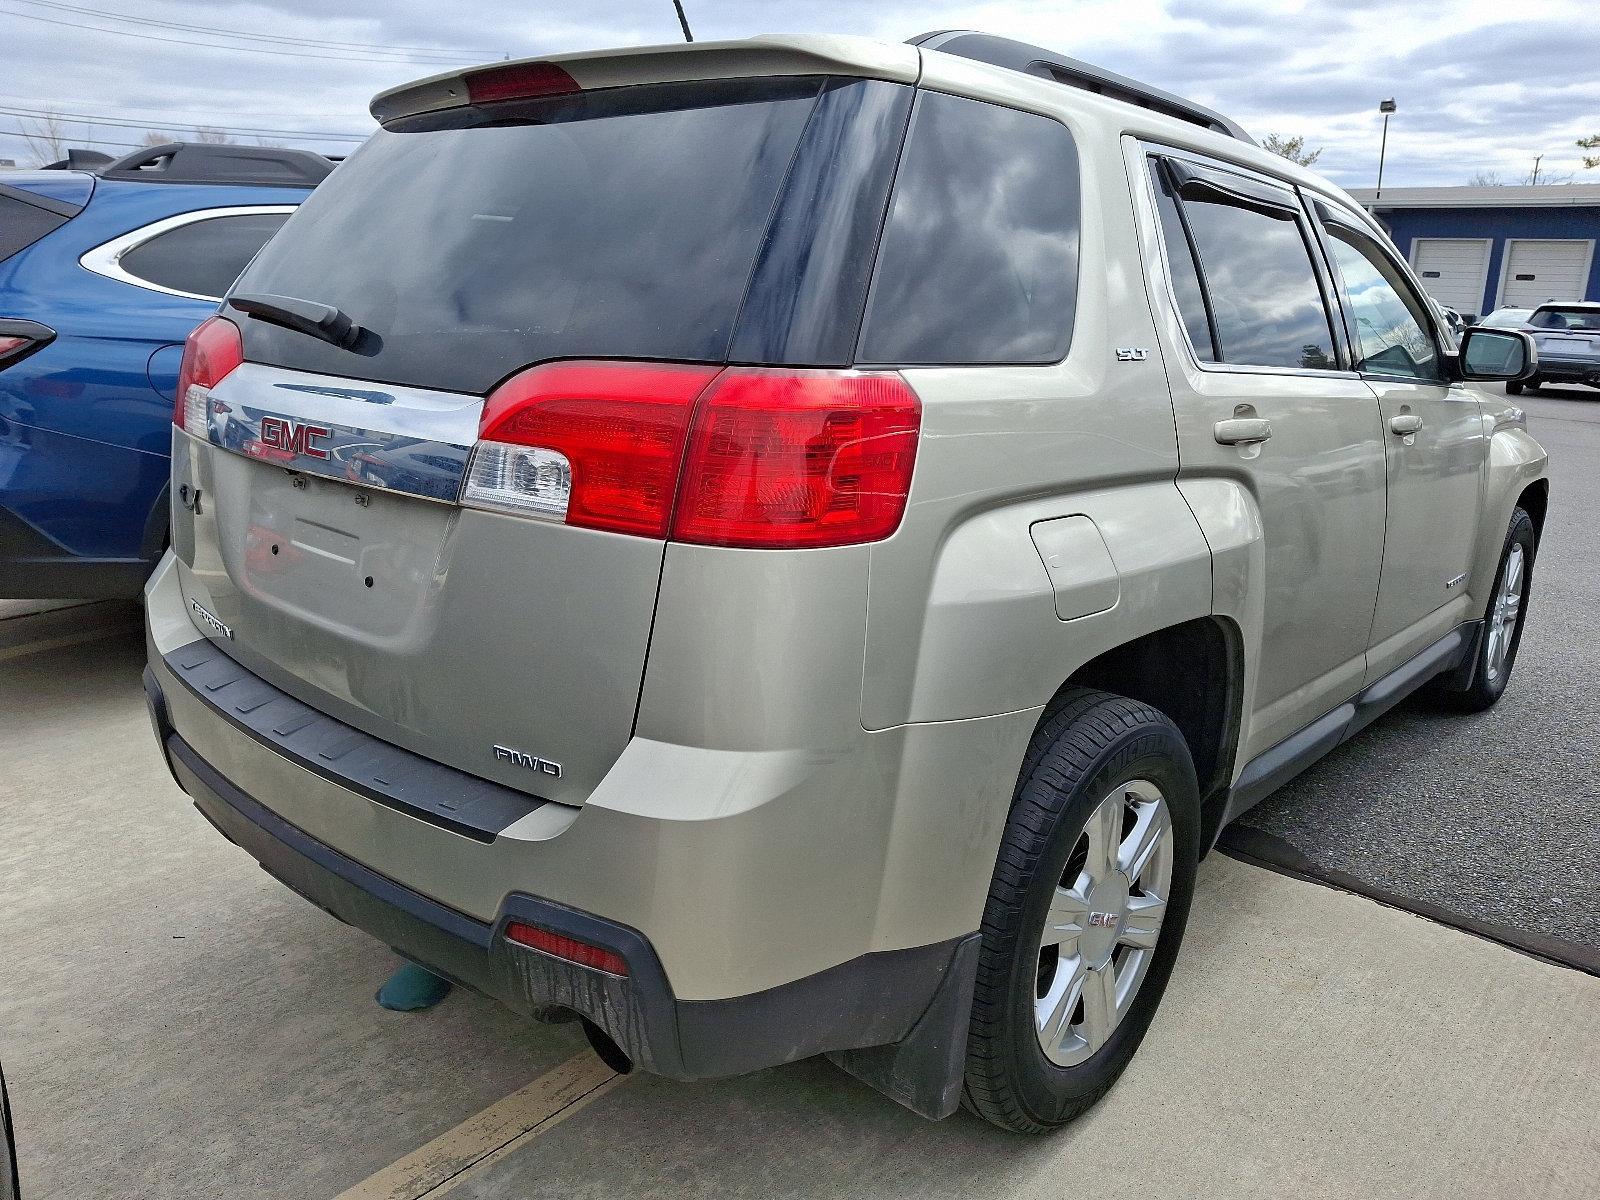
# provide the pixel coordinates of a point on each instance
(106, 258)
(400, 439)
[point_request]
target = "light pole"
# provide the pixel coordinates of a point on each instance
(1385, 107)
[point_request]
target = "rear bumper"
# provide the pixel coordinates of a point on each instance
(896, 1018)
(1569, 370)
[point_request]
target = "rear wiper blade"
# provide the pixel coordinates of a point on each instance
(322, 321)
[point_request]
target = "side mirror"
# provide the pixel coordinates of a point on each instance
(1495, 355)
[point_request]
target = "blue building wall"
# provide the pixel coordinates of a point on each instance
(1501, 224)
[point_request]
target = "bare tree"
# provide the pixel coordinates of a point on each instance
(46, 136)
(207, 135)
(154, 137)
(1531, 178)
(1292, 148)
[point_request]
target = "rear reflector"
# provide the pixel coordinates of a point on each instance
(518, 81)
(210, 352)
(570, 949)
(754, 457)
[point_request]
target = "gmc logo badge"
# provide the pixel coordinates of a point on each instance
(293, 436)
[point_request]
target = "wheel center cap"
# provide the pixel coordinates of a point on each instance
(1108, 909)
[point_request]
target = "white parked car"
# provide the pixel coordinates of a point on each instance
(1506, 318)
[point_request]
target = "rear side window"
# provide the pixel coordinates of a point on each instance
(202, 257)
(619, 223)
(1265, 304)
(979, 258)
(1182, 267)
(22, 224)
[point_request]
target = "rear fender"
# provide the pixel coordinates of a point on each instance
(993, 637)
(1230, 519)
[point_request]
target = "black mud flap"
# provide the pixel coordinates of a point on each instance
(925, 1069)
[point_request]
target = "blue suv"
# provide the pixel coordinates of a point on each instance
(103, 273)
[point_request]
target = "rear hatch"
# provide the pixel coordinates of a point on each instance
(1568, 331)
(691, 224)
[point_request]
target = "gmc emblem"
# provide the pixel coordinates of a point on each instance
(1097, 919)
(293, 436)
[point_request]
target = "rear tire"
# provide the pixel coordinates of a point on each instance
(1513, 387)
(1100, 848)
(1496, 651)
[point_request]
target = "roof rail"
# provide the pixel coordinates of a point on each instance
(204, 162)
(1072, 72)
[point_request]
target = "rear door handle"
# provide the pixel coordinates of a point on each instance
(1242, 431)
(1405, 424)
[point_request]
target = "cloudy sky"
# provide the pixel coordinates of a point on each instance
(1482, 85)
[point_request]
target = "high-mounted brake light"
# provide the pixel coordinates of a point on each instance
(210, 352)
(518, 81)
(565, 947)
(748, 456)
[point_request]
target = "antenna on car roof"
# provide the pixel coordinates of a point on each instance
(1072, 72)
(683, 20)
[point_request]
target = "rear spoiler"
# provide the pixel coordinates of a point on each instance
(79, 159)
(769, 55)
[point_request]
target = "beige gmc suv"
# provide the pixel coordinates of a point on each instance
(797, 546)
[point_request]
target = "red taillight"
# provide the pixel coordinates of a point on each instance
(212, 350)
(10, 346)
(570, 949)
(620, 428)
(762, 457)
(518, 81)
(787, 458)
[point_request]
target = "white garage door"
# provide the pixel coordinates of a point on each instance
(1537, 271)
(1453, 270)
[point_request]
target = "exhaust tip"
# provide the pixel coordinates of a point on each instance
(607, 1049)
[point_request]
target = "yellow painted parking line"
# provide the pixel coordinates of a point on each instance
(437, 1167)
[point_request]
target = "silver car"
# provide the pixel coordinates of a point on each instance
(835, 530)
(1568, 340)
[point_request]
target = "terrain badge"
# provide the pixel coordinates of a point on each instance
(211, 619)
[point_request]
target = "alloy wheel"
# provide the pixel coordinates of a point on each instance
(1503, 615)
(1104, 920)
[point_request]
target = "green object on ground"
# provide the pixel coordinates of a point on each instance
(412, 988)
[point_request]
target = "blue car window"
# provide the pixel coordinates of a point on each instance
(22, 224)
(204, 257)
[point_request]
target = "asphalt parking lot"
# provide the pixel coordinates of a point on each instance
(174, 1023)
(1490, 818)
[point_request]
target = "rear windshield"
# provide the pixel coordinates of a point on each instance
(618, 223)
(1586, 319)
